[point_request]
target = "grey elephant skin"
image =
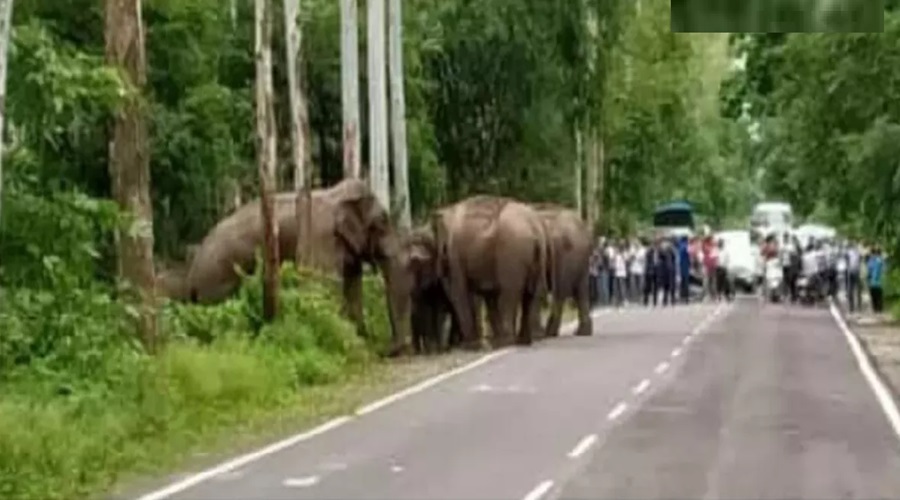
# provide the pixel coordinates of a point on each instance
(349, 229)
(571, 239)
(494, 248)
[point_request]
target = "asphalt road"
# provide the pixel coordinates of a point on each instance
(740, 401)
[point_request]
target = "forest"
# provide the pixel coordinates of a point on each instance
(523, 98)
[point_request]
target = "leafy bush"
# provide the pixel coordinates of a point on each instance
(85, 404)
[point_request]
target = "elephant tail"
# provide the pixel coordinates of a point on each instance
(543, 261)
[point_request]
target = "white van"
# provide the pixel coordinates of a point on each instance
(772, 216)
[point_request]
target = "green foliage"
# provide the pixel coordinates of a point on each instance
(88, 405)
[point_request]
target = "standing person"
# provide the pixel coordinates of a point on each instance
(684, 268)
(854, 282)
(875, 278)
(723, 279)
(604, 272)
(651, 275)
(620, 270)
(796, 265)
(711, 256)
(784, 255)
(667, 272)
(594, 270)
(638, 270)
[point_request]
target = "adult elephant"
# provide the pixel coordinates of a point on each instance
(496, 248)
(350, 228)
(571, 238)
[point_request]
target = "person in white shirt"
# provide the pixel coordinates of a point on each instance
(620, 272)
(723, 279)
(638, 261)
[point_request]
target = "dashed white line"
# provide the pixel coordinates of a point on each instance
(643, 386)
(617, 411)
(686, 340)
(300, 482)
(676, 352)
(539, 490)
(661, 367)
(583, 446)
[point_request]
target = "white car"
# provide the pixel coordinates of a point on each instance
(743, 263)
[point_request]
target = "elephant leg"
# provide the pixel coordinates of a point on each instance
(530, 309)
(583, 299)
(555, 320)
(507, 309)
(494, 317)
(353, 298)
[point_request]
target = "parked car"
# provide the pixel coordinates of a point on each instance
(743, 265)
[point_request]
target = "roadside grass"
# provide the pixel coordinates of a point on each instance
(84, 411)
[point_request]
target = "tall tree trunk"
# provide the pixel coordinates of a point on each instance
(350, 88)
(5, 31)
(379, 177)
(265, 154)
(129, 162)
(579, 171)
(591, 177)
(398, 116)
(299, 129)
(599, 178)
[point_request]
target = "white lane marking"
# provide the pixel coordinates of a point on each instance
(676, 352)
(617, 411)
(396, 468)
(300, 482)
(882, 394)
(288, 442)
(539, 490)
(661, 367)
(242, 460)
(643, 386)
(421, 386)
(583, 446)
(686, 340)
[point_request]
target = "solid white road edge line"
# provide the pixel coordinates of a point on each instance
(643, 386)
(661, 367)
(276, 447)
(421, 386)
(583, 446)
(882, 394)
(617, 411)
(539, 490)
(242, 460)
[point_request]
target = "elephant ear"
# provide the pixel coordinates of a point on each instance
(350, 226)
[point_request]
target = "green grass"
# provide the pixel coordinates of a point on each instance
(83, 411)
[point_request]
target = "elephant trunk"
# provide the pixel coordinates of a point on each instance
(398, 288)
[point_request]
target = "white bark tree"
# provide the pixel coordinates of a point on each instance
(398, 115)
(5, 32)
(350, 87)
(266, 143)
(379, 177)
(129, 162)
(299, 127)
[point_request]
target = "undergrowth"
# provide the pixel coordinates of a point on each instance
(81, 405)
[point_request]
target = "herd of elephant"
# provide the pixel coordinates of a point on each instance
(510, 255)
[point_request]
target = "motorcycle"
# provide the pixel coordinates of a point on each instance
(809, 290)
(774, 280)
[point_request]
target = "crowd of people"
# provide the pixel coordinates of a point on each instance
(830, 266)
(641, 271)
(660, 271)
